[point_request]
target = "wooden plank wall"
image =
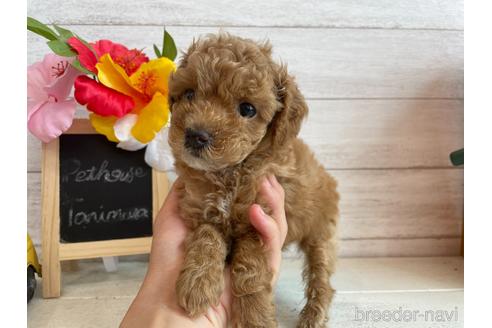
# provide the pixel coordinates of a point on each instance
(384, 82)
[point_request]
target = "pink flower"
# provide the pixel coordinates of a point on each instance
(49, 112)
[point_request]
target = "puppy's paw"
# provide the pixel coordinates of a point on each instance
(311, 324)
(197, 290)
(254, 311)
(312, 317)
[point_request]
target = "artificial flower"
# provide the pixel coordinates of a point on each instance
(130, 60)
(158, 153)
(147, 88)
(122, 131)
(125, 92)
(49, 82)
(100, 99)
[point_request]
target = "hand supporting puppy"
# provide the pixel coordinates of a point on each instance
(156, 303)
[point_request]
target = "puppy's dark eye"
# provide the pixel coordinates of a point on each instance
(247, 110)
(189, 94)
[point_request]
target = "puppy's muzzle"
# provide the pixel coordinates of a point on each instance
(196, 140)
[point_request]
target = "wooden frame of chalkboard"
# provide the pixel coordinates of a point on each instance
(53, 249)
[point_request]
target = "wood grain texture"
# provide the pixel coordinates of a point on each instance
(430, 14)
(94, 249)
(81, 126)
(376, 204)
(50, 218)
(368, 133)
(384, 133)
(34, 208)
(344, 63)
(390, 247)
(400, 203)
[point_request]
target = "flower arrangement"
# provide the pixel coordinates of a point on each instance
(124, 91)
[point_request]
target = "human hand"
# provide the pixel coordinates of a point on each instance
(156, 302)
(272, 228)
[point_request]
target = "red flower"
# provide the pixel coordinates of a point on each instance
(130, 60)
(101, 99)
(87, 58)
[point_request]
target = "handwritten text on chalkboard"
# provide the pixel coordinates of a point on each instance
(105, 192)
(102, 173)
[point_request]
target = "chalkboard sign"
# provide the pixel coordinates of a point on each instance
(105, 192)
(97, 201)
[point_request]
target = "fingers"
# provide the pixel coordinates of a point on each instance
(271, 193)
(169, 212)
(169, 232)
(172, 199)
(272, 228)
(265, 225)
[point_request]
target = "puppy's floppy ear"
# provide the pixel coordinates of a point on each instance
(293, 108)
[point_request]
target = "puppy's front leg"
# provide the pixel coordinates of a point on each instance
(201, 280)
(251, 281)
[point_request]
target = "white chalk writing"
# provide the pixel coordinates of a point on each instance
(105, 174)
(111, 216)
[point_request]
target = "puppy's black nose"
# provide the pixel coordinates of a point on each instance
(197, 139)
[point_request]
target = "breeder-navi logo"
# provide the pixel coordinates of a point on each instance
(406, 315)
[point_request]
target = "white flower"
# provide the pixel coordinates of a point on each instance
(122, 131)
(158, 154)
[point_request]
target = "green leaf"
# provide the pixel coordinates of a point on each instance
(157, 51)
(61, 48)
(457, 157)
(40, 29)
(77, 65)
(168, 46)
(64, 33)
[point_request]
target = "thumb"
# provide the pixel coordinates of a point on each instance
(264, 224)
(270, 234)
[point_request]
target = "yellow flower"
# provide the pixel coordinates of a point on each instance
(148, 88)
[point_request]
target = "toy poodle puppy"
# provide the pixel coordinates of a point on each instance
(236, 115)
